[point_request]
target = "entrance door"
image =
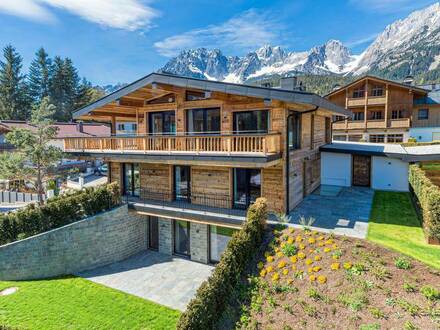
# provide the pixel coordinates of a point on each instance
(361, 170)
(153, 233)
(247, 187)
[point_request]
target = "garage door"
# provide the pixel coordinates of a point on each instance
(361, 170)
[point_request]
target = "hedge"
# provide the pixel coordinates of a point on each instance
(428, 196)
(212, 297)
(57, 212)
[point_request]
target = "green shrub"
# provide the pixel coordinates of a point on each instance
(212, 297)
(289, 250)
(430, 292)
(402, 263)
(428, 196)
(57, 212)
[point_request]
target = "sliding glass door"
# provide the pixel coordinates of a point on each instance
(181, 237)
(251, 122)
(201, 121)
(153, 233)
(219, 238)
(132, 180)
(247, 187)
(182, 183)
(162, 123)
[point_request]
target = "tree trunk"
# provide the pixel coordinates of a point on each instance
(39, 185)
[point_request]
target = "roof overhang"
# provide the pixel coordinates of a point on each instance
(216, 86)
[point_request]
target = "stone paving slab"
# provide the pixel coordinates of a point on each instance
(344, 212)
(164, 279)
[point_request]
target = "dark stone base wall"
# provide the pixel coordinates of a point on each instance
(96, 241)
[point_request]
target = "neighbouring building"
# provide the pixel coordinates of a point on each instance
(387, 111)
(197, 153)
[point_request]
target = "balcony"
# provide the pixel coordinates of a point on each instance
(376, 123)
(372, 100)
(399, 123)
(349, 124)
(207, 208)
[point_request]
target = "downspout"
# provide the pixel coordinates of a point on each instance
(287, 151)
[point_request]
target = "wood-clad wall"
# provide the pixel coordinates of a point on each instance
(273, 189)
(211, 181)
(433, 116)
(156, 178)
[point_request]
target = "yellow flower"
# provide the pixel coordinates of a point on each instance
(327, 249)
(347, 265)
(321, 244)
(335, 246)
(293, 267)
(329, 242)
(279, 254)
(266, 254)
(260, 265)
(335, 257)
(335, 266)
(320, 238)
(314, 232)
(317, 258)
(298, 238)
(312, 278)
(322, 279)
(269, 258)
(316, 269)
(282, 245)
(302, 247)
(269, 269)
(275, 277)
(291, 230)
(310, 270)
(294, 259)
(309, 261)
(290, 240)
(281, 264)
(263, 273)
(301, 255)
(289, 281)
(277, 249)
(285, 271)
(312, 240)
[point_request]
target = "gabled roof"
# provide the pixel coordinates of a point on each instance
(386, 81)
(216, 86)
(63, 129)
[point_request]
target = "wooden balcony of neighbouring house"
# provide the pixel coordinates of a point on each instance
(207, 208)
(371, 100)
(376, 123)
(399, 123)
(349, 124)
(256, 150)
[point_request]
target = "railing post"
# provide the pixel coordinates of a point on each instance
(229, 144)
(264, 144)
(197, 145)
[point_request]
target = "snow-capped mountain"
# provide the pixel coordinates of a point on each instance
(332, 57)
(407, 46)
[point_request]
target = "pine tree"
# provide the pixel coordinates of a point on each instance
(40, 72)
(13, 92)
(71, 87)
(56, 87)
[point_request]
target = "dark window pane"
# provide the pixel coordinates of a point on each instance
(251, 121)
(203, 121)
(181, 237)
(153, 231)
(247, 187)
(182, 185)
(162, 123)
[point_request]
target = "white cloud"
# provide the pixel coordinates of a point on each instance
(123, 14)
(361, 41)
(390, 6)
(244, 32)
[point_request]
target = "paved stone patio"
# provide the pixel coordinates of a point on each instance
(342, 210)
(164, 279)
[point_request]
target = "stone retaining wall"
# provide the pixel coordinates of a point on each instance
(96, 241)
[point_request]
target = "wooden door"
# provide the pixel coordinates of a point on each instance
(361, 170)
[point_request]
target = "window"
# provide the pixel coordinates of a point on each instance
(197, 96)
(181, 237)
(162, 123)
(339, 137)
(218, 240)
(423, 114)
(395, 138)
(377, 138)
(182, 183)
(377, 90)
(359, 92)
(203, 121)
(376, 115)
(294, 131)
(132, 181)
(358, 116)
(247, 187)
(396, 114)
(251, 121)
(126, 128)
(355, 137)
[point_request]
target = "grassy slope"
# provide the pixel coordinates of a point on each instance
(75, 303)
(394, 224)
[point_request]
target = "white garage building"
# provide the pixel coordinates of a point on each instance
(376, 165)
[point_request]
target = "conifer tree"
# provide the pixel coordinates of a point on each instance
(40, 72)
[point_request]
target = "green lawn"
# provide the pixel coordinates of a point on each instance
(75, 303)
(394, 224)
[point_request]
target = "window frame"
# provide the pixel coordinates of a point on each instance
(235, 123)
(294, 124)
(205, 121)
(419, 111)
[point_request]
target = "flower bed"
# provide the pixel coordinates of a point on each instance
(310, 280)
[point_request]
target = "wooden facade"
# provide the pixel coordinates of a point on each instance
(214, 158)
(383, 110)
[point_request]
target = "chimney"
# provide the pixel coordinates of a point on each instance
(79, 127)
(289, 83)
(409, 80)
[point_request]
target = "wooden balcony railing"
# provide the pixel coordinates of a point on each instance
(215, 144)
(399, 123)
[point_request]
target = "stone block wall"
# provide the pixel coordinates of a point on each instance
(199, 242)
(166, 236)
(96, 241)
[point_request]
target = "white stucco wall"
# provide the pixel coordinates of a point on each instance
(336, 169)
(389, 174)
(424, 134)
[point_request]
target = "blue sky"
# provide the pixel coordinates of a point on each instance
(122, 40)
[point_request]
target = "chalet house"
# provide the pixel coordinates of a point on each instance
(191, 155)
(387, 111)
